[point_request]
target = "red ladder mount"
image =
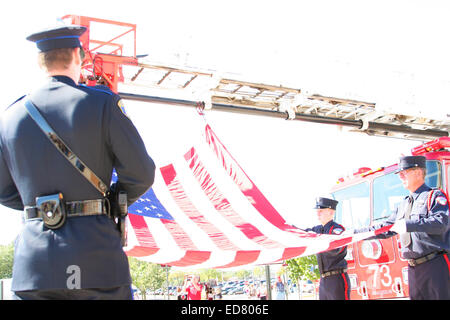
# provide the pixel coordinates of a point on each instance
(104, 59)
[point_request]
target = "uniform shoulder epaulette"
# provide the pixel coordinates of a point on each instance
(14, 102)
(337, 229)
(441, 199)
(340, 226)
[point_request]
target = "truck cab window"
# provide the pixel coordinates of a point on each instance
(434, 177)
(388, 192)
(353, 210)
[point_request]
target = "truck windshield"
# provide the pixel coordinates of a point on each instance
(388, 190)
(353, 210)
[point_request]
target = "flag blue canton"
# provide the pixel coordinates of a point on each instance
(147, 205)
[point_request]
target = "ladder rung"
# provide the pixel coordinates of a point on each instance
(164, 78)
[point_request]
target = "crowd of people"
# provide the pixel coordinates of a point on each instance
(193, 289)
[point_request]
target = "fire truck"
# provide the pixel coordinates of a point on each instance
(375, 267)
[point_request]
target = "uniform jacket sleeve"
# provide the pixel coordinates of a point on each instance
(9, 195)
(434, 220)
(134, 167)
(389, 221)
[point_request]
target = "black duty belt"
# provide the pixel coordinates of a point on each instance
(332, 272)
(73, 209)
(428, 257)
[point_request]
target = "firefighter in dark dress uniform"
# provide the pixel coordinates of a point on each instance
(83, 258)
(334, 280)
(421, 220)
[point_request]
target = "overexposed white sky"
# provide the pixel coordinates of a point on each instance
(393, 53)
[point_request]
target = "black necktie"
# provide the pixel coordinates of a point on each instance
(405, 238)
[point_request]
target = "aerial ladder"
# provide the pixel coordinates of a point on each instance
(111, 59)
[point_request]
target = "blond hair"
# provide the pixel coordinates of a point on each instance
(55, 59)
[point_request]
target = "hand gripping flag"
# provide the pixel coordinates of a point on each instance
(210, 214)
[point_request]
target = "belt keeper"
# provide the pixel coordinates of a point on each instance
(31, 213)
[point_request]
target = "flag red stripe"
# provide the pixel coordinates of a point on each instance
(339, 243)
(290, 253)
(147, 245)
(383, 229)
(143, 234)
(139, 251)
(181, 238)
(243, 258)
(191, 258)
(184, 203)
(245, 184)
(221, 203)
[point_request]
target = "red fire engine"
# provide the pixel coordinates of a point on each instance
(375, 267)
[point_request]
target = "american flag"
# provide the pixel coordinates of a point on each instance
(204, 211)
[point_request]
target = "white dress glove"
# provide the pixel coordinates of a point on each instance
(399, 226)
(348, 232)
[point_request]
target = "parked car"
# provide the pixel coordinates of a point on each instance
(158, 291)
(307, 286)
(238, 290)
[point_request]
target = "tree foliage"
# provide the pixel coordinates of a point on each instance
(303, 268)
(207, 274)
(146, 275)
(6, 261)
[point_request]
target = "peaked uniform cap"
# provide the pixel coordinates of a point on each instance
(323, 203)
(58, 37)
(411, 162)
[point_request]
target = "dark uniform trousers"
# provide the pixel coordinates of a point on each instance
(430, 280)
(337, 285)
